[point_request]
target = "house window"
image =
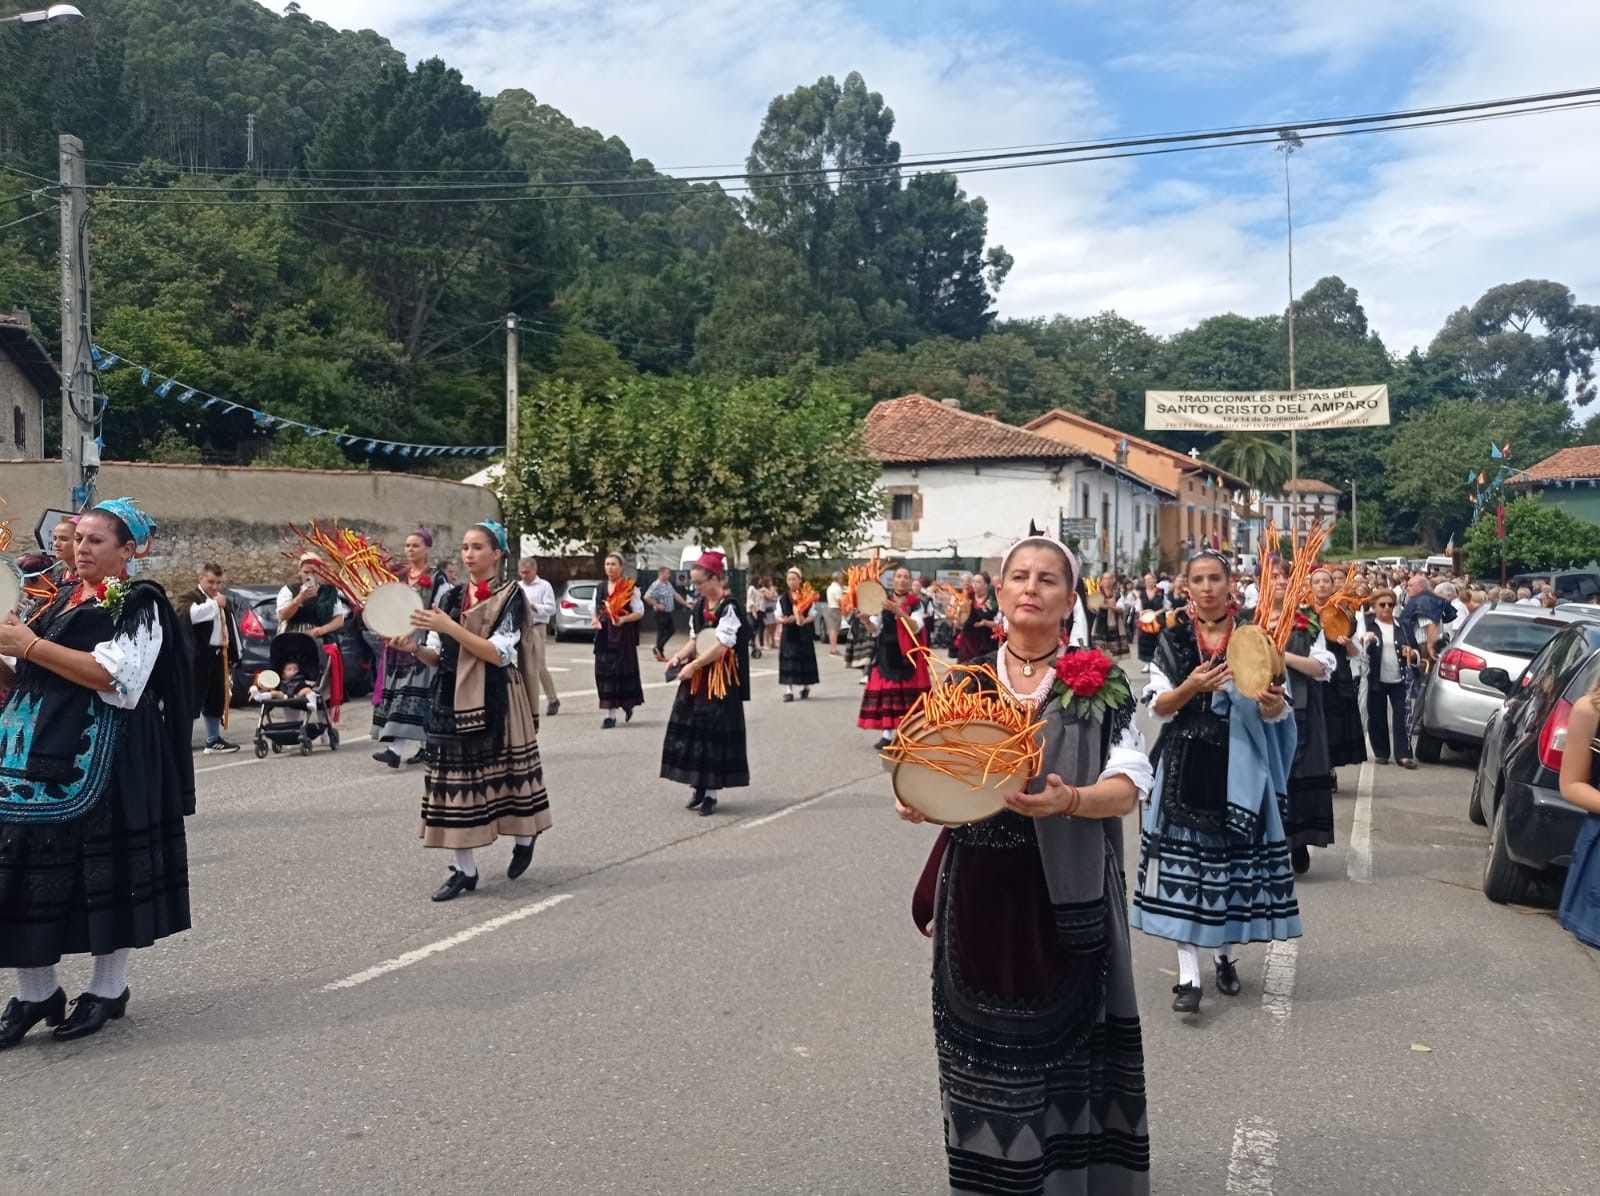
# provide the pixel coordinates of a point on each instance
(19, 427)
(903, 508)
(1087, 512)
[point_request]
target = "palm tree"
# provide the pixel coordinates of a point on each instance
(1258, 457)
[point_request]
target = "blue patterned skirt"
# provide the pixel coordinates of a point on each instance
(1580, 900)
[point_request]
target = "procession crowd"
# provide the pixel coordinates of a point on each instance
(1037, 1029)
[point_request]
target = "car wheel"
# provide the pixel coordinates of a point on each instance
(1475, 801)
(1505, 881)
(1429, 748)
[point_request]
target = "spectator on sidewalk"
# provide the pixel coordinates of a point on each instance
(663, 598)
(542, 604)
(1387, 658)
(833, 611)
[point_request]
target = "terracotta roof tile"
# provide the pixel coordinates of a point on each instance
(919, 429)
(1309, 486)
(1582, 461)
(1181, 460)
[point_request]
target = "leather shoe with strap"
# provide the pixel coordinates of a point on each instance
(1187, 998)
(521, 857)
(458, 883)
(21, 1016)
(90, 1013)
(1228, 978)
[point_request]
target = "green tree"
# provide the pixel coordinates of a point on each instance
(1226, 352)
(1260, 458)
(171, 447)
(1538, 536)
(1525, 338)
(292, 448)
(1430, 455)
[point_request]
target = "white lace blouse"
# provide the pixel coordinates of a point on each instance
(129, 657)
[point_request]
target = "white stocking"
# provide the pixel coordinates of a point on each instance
(37, 984)
(1188, 964)
(466, 861)
(522, 840)
(1230, 954)
(110, 977)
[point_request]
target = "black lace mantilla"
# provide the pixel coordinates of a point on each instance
(1194, 743)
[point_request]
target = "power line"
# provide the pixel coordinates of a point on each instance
(113, 194)
(1072, 149)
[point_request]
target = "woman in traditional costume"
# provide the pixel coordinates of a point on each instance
(1213, 860)
(705, 744)
(899, 663)
(1105, 620)
(96, 778)
(484, 777)
(1152, 606)
(1041, 1062)
(1580, 774)
(618, 607)
(1308, 808)
(400, 709)
(797, 650)
(1341, 699)
(977, 638)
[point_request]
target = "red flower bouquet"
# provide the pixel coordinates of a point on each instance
(1083, 673)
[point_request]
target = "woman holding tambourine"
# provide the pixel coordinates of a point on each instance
(705, 742)
(1213, 860)
(899, 671)
(1041, 1063)
(400, 709)
(484, 776)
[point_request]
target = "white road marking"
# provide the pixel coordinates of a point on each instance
(1277, 979)
(1358, 863)
(455, 940)
(800, 805)
(1254, 1160)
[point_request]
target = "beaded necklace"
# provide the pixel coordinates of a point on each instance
(1210, 656)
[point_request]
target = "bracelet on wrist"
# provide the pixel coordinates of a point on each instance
(28, 651)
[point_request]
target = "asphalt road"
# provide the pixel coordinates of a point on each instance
(739, 1004)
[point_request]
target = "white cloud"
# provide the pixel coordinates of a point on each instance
(1419, 222)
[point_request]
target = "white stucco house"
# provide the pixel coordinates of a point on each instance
(1302, 500)
(960, 485)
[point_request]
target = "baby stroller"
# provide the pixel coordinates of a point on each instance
(301, 715)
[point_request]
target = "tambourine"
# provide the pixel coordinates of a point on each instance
(1096, 602)
(10, 586)
(704, 641)
(1336, 623)
(871, 598)
(387, 610)
(1150, 621)
(268, 680)
(1254, 661)
(968, 795)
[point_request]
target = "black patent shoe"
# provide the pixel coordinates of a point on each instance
(521, 857)
(1300, 857)
(89, 1016)
(697, 800)
(1228, 978)
(21, 1016)
(805, 693)
(708, 807)
(788, 697)
(458, 884)
(1187, 999)
(608, 722)
(388, 756)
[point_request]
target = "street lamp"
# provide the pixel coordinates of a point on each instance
(1288, 142)
(56, 14)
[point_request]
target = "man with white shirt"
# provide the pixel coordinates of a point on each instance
(542, 602)
(215, 640)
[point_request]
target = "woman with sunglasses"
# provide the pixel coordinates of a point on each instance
(1386, 683)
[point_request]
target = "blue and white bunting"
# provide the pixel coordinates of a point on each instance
(164, 386)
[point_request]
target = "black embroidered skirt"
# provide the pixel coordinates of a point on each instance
(705, 742)
(797, 657)
(116, 877)
(616, 671)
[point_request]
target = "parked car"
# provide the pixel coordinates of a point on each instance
(256, 608)
(574, 609)
(1516, 790)
(1571, 585)
(1457, 702)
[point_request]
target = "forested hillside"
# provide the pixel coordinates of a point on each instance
(290, 216)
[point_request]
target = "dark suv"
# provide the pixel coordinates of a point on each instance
(1517, 788)
(1570, 585)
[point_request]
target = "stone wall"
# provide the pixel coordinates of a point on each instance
(237, 516)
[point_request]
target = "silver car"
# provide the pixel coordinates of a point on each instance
(574, 608)
(1457, 704)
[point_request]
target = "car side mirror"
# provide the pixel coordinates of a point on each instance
(1496, 678)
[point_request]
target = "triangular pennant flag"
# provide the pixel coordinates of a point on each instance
(186, 396)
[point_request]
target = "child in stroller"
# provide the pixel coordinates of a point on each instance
(294, 704)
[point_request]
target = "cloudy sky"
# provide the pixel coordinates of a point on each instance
(1419, 222)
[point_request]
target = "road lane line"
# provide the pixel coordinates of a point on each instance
(1358, 864)
(1254, 1160)
(1277, 979)
(455, 940)
(752, 823)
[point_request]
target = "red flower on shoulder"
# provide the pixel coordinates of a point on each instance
(1301, 622)
(425, 582)
(1084, 673)
(100, 591)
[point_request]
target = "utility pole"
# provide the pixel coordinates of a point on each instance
(511, 391)
(80, 455)
(250, 140)
(1355, 526)
(1288, 142)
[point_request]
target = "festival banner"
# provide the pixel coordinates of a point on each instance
(1266, 410)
